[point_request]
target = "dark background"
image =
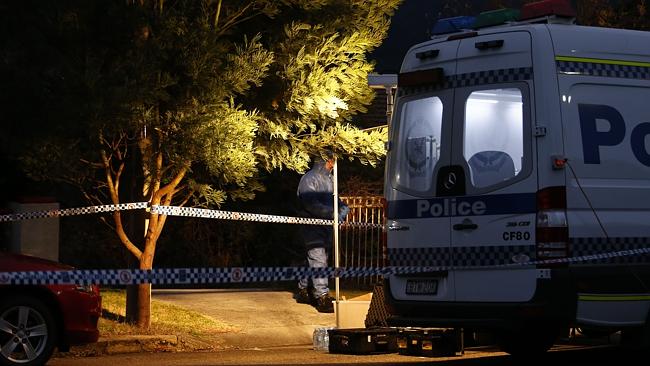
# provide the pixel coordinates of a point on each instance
(88, 243)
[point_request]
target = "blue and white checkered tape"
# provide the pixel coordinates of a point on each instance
(404, 260)
(244, 216)
(180, 276)
(180, 211)
(239, 216)
(73, 211)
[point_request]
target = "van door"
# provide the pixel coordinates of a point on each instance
(494, 222)
(420, 145)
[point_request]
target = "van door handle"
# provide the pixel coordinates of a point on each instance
(497, 43)
(465, 226)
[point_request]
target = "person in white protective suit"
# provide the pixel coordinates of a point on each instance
(315, 192)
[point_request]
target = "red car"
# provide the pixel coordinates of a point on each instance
(34, 319)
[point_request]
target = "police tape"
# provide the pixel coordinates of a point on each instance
(243, 216)
(223, 275)
(180, 276)
(73, 211)
(238, 216)
(180, 211)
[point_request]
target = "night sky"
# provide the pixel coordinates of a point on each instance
(409, 25)
(412, 23)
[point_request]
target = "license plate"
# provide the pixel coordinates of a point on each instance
(421, 287)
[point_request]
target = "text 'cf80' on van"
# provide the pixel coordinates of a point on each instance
(518, 180)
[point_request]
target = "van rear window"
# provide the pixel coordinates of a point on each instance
(419, 143)
(493, 141)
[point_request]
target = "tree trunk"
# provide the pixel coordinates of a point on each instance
(144, 290)
(132, 309)
(144, 305)
(135, 229)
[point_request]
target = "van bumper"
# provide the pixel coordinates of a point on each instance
(554, 301)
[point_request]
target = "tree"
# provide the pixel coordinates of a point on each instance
(619, 14)
(600, 13)
(200, 95)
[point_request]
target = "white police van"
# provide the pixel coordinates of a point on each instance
(518, 179)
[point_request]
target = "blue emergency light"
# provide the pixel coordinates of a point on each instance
(452, 25)
(538, 9)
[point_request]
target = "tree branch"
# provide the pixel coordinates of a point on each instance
(119, 228)
(232, 20)
(115, 198)
(187, 198)
(169, 188)
(216, 16)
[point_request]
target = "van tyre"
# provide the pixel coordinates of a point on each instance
(528, 341)
(637, 338)
(28, 331)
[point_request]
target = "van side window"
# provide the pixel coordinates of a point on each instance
(493, 141)
(419, 143)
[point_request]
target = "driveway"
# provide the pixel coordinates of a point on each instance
(263, 317)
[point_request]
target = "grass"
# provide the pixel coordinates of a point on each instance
(166, 318)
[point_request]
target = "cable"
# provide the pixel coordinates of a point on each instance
(629, 268)
(587, 199)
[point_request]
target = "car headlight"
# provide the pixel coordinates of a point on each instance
(87, 288)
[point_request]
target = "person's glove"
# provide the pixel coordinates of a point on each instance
(343, 212)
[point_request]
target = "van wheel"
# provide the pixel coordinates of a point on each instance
(528, 341)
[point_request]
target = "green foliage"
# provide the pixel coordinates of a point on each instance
(614, 14)
(191, 102)
(222, 87)
(223, 140)
(320, 82)
(368, 147)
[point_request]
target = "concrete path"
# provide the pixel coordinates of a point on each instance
(264, 318)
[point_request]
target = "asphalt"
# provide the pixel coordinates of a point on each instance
(254, 318)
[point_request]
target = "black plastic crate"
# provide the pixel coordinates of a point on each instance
(408, 341)
(361, 341)
(430, 342)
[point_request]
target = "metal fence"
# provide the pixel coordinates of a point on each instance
(361, 246)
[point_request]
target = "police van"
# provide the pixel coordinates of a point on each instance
(518, 179)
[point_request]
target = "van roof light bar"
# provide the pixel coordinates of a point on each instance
(496, 17)
(545, 8)
(452, 25)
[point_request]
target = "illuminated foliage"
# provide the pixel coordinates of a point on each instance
(195, 97)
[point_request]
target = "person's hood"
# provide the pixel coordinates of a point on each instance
(320, 166)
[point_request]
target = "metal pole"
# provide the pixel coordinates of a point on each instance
(336, 238)
(389, 103)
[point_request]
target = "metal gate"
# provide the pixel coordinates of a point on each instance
(363, 246)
